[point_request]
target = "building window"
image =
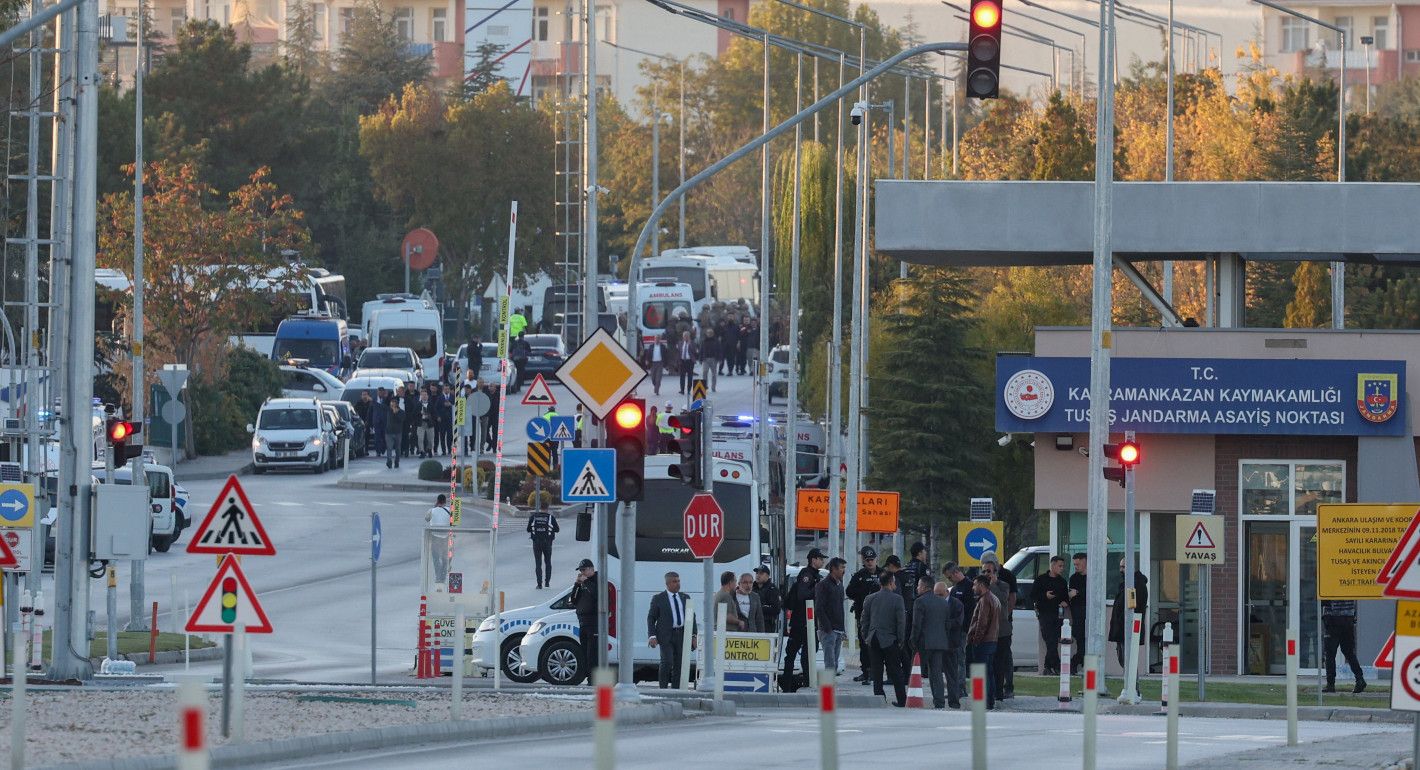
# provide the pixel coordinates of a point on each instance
(404, 23)
(1380, 30)
(226, 14)
(540, 23)
(347, 20)
(439, 22)
(179, 18)
(1412, 56)
(606, 27)
(728, 13)
(319, 18)
(1295, 34)
(1348, 28)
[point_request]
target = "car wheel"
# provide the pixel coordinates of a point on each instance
(161, 543)
(561, 662)
(513, 666)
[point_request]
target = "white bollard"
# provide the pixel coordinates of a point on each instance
(605, 732)
(1067, 649)
(686, 637)
(720, 622)
(1092, 697)
(1291, 687)
(811, 638)
(1166, 689)
(827, 721)
(37, 634)
(978, 716)
(460, 640)
(1171, 682)
(192, 726)
(1129, 694)
(17, 707)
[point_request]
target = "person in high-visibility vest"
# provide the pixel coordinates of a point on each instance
(663, 424)
(552, 445)
(517, 322)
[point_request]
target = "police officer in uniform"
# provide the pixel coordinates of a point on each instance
(795, 598)
(584, 601)
(542, 528)
(863, 582)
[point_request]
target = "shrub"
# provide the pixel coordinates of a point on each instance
(433, 470)
(221, 410)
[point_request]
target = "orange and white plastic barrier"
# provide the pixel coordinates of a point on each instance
(914, 684)
(192, 726)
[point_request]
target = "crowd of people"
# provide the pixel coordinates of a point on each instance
(724, 342)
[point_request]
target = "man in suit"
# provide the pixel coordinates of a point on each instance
(666, 622)
(884, 630)
(726, 596)
(936, 617)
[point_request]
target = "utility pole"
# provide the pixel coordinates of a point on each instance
(761, 464)
(656, 160)
(791, 423)
(34, 381)
(835, 351)
(137, 619)
(71, 643)
(589, 147)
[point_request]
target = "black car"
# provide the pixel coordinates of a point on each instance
(350, 419)
(548, 352)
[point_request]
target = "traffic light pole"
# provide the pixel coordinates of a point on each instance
(707, 463)
(1131, 650)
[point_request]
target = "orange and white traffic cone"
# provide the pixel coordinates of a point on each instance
(914, 684)
(421, 660)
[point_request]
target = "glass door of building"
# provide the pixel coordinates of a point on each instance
(1265, 596)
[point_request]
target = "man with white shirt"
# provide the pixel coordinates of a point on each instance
(654, 358)
(439, 519)
(666, 623)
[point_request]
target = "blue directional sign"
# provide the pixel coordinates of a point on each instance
(979, 540)
(564, 428)
(375, 537)
(746, 681)
(588, 475)
(539, 429)
(16, 505)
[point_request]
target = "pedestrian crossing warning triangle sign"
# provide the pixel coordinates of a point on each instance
(231, 526)
(1386, 658)
(1200, 537)
(229, 604)
(1407, 542)
(588, 482)
(539, 394)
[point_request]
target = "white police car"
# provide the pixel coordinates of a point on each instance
(554, 644)
(490, 643)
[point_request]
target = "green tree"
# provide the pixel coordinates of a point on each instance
(487, 70)
(1310, 308)
(817, 183)
(1064, 145)
(374, 62)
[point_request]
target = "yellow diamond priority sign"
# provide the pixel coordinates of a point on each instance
(600, 373)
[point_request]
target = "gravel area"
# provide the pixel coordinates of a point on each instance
(81, 725)
(1371, 751)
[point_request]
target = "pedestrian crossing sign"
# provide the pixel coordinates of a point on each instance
(588, 475)
(238, 530)
(564, 428)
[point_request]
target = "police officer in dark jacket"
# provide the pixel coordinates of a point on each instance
(543, 528)
(584, 601)
(1050, 595)
(960, 589)
(863, 583)
(795, 597)
(914, 571)
(769, 598)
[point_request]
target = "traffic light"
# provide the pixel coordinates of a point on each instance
(1127, 454)
(983, 55)
(626, 433)
(229, 600)
(688, 442)
(120, 433)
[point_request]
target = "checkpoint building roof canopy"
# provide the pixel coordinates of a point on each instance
(1009, 223)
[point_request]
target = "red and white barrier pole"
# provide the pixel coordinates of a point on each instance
(1092, 698)
(1171, 682)
(1066, 651)
(192, 726)
(1130, 693)
(604, 734)
(978, 716)
(811, 635)
(1291, 687)
(827, 721)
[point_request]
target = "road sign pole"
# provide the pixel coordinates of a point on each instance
(1204, 601)
(374, 587)
(227, 686)
(707, 672)
(1131, 653)
(239, 688)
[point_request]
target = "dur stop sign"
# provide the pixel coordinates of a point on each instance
(704, 525)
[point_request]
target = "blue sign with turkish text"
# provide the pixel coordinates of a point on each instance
(1236, 396)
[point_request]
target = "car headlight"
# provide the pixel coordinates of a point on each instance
(534, 628)
(255, 442)
(487, 624)
(314, 439)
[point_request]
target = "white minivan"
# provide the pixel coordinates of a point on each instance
(168, 500)
(419, 329)
(292, 433)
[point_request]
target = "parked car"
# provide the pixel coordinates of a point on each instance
(488, 369)
(169, 515)
(548, 352)
(302, 381)
(776, 375)
(371, 385)
(1025, 564)
(292, 433)
(355, 427)
(405, 376)
(400, 358)
(492, 645)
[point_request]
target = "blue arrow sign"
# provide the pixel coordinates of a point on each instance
(538, 429)
(588, 475)
(746, 681)
(14, 505)
(978, 541)
(375, 537)
(564, 428)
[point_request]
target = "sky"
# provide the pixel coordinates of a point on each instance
(1238, 21)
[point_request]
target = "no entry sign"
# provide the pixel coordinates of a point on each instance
(704, 525)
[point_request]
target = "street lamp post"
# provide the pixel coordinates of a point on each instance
(1367, 41)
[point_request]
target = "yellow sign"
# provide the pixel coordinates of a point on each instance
(742, 648)
(976, 538)
(1200, 540)
(600, 373)
(455, 512)
(877, 511)
(697, 390)
(1407, 618)
(460, 410)
(17, 505)
(503, 326)
(744, 651)
(539, 458)
(1353, 542)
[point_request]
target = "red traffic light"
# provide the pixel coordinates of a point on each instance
(119, 431)
(629, 414)
(1129, 453)
(986, 14)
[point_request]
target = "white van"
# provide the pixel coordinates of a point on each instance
(292, 433)
(419, 329)
(167, 498)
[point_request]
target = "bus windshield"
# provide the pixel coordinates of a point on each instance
(322, 353)
(424, 342)
(695, 276)
(288, 419)
(660, 526)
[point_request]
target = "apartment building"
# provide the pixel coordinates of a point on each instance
(1297, 46)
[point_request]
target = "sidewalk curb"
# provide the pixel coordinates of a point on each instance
(1040, 704)
(327, 744)
(167, 657)
(244, 470)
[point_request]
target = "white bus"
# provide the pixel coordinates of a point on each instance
(714, 273)
(291, 290)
